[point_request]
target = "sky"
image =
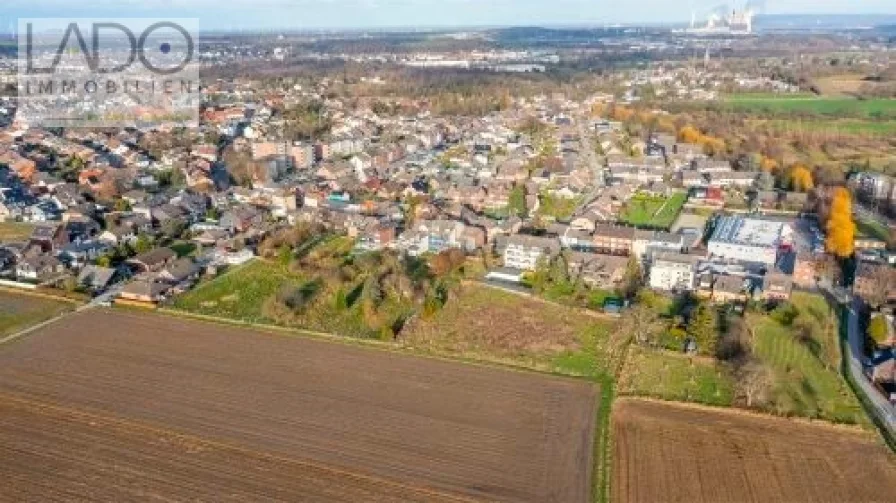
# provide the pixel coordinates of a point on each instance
(316, 14)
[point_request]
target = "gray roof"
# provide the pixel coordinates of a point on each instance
(96, 276)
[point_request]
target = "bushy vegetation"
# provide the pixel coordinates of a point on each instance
(318, 282)
(490, 324)
(797, 344)
(784, 360)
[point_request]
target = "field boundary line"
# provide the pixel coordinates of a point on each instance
(368, 344)
(735, 411)
(150, 428)
(32, 293)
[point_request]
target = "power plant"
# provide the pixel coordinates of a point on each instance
(721, 21)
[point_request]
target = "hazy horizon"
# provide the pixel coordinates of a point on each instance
(298, 15)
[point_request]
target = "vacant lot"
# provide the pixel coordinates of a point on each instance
(667, 452)
(486, 323)
(20, 311)
(241, 292)
(654, 212)
(180, 410)
(672, 376)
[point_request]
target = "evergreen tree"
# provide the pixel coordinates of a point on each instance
(703, 328)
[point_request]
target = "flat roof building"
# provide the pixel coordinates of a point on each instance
(748, 239)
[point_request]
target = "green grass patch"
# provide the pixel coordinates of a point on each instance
(239, 293)
(560, 208)
(18, 312)
(183, 248)
(872, 229)
(804, 358)
(810, 105)
(674, 376)
(653, 212)
(843, 126)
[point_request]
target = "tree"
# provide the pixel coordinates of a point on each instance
(642, 320)
(801, 178)
(840, 226)
(173, 227)
(878, 285)
(766, 181)
(122, 205)
(703, 328)
(768, 165)
(516, 201)
(633, 277)
(879, 330)
(754, 382)
(143, 244)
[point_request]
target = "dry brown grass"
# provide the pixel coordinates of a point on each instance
(483, 321)
(841, 85)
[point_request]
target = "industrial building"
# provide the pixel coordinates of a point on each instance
(749, 240)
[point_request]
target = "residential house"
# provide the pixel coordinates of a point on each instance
(613, 240)
(179, 271)
(804, 270)
(742, 179)
(523, 252)
(39, 268)
(48, 237)
(144, 291)
(729, 289)
(77, 255)
(673, 272)
(118, 234)
(377, 237)
(776, 286)
(95, 278)
(606, 272)
(242, 218)
(153, 260)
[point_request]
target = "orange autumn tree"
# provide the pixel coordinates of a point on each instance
(801, 178)
(768, 164)
(711, 145)
(840, 226)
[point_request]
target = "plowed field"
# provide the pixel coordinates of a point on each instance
(666, 452)
(117, 406)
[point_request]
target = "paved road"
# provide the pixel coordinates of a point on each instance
(590, 157)
(882, 408)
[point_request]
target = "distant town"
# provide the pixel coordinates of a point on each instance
(718, 206)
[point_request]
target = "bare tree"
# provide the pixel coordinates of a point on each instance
(754, 383)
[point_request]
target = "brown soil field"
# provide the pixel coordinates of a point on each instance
(668, 452)
(114, 405)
